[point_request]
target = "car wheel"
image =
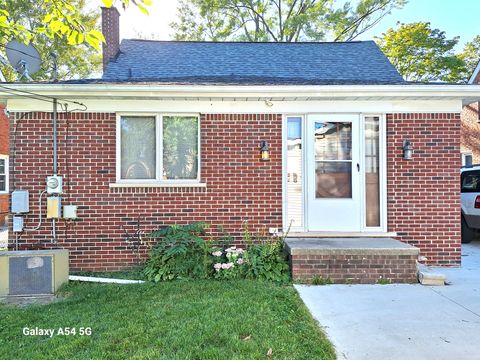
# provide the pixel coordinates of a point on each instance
(467, 233)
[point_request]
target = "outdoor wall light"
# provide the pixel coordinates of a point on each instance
(407, 149)
(264, 151)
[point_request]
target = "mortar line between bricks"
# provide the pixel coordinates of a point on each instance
(455, 302)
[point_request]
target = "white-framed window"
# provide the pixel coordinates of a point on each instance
(158, 148)
(467, 159)
(3, 174)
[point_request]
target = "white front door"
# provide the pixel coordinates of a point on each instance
(333, 183)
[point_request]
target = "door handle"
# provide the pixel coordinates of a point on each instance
(358, 167)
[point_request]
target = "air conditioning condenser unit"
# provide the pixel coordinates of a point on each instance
(32, 272)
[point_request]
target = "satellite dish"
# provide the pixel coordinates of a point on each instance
(25, 59)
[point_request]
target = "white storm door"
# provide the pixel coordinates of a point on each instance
(333, 172)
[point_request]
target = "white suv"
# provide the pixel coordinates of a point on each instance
(470, 194)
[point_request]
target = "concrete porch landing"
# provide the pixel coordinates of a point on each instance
(352, 260)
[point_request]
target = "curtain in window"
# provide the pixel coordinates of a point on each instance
(137, 147)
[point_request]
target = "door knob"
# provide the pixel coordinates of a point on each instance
(358, 167)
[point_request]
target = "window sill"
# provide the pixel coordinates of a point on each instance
(158, 185)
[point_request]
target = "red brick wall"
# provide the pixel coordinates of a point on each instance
(4, 144)
(423, 193)
(470, 132)
(423, 198)
(239, 186)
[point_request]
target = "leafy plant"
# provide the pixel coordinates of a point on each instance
(267, 261)
(180, 253)
(320, 280)
(229, 263)
(264, 257)
(383, 281)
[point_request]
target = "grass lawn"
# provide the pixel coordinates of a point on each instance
(176, 320)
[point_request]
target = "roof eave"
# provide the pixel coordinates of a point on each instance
(466, 93)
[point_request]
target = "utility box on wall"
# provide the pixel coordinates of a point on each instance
(20, 203)
(34, 272)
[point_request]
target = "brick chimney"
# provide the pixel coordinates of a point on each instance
(111, 32)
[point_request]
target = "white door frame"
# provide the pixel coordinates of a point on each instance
(383, 171)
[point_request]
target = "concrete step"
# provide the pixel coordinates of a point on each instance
(352, 260)
(429, 276)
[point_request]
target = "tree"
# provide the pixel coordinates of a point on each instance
(471, 56)
(57, 26)
(62, 20)
(74, 61)
(422, 54)
(278, 20)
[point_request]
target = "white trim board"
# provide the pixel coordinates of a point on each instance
(249, 107)
(83, 92)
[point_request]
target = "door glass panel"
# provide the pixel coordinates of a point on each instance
(333, 179)
(294, 172)
(333, 141)
(333, 160)
(372, 170)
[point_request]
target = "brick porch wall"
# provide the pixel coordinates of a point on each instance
(239, 186)
(424, 193)
(355, 269)
(423, 198)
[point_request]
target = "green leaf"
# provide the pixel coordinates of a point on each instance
(47, 18)
(143, 9)
(97, 34)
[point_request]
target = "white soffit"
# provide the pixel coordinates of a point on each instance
(221, 93)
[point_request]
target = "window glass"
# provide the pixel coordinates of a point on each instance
(294, 172)
(467, 159)
(471, 181)
(3, 177)
(372, 170)
(137, 147)
(333, 155)
(180, 147)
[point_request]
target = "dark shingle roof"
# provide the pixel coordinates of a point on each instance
(357, 62)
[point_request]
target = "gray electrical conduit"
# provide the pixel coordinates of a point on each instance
(40, 213)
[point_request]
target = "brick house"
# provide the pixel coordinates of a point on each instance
(470, 132)
(173, 133)
(4, 151)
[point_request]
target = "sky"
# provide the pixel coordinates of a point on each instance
(455, 17)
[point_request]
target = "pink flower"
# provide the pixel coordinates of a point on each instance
(240, 261)
(230, 249)
(227, 266)
(217, 266)
(217, 253)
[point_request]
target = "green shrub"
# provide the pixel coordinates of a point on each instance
(180, 253)
(266, 261)
(183, 253)
(264, 257)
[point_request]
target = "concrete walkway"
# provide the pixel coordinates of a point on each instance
(403, 321)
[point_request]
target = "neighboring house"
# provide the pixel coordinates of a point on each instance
(173, 131)
(4, 150)
(470, 133)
